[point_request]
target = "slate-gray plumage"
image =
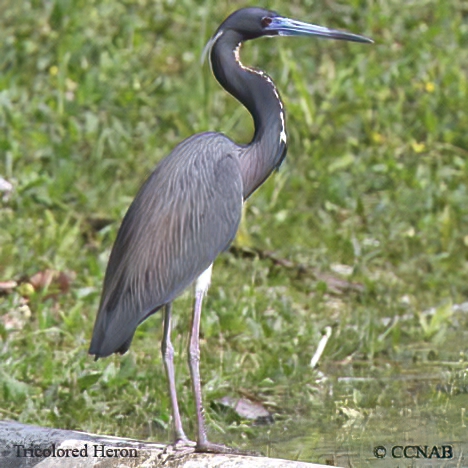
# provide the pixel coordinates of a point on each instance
(167, 239)
(189, 209)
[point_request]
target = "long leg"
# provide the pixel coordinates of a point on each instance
(203, 444)
(168, 357)
(201, 287)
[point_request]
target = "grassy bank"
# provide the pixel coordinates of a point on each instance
(374, 192)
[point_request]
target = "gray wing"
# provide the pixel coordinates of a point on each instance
(186, 213)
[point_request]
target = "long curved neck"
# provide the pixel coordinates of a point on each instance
(257, 92)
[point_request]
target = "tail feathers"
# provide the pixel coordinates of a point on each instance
(103, 348)
(111, 337)
(114, 334)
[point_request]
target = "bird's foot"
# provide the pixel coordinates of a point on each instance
(181, 446)
(184, 443)
(210, 447)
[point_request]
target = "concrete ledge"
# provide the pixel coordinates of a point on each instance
(24, 446)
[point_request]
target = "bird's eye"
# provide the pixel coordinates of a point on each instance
(266, 21)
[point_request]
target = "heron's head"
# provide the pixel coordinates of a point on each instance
(251, 23)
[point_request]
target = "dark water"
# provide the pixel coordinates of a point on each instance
(409, 410)
(418, 420)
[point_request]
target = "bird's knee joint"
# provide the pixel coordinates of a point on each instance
(194, 356)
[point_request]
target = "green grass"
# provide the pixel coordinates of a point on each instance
(376, 178)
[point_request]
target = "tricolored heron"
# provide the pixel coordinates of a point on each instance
(189, 209)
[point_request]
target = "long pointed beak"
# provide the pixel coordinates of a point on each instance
(288, 27)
